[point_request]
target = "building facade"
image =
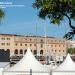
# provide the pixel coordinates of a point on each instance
(40, 46)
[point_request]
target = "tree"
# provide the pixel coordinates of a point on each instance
(2, 14)
(71, 50)
(56, 11)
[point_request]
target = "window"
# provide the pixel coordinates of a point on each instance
(21, 51)
(16, 51)
(3, 38)
(30, 39)
(41, 41)
(25, 39)
(21, 44)
(35, 52)
(8, 50)
(63, 45)
(55, 50)
(63, 50)
(25, 44)
(51, 40)
(59, 50)
(25, 51)
(30, 44)
(34, 44)
(8, 43)
(2, 43)
(8, 38)
(3, 49)
(16, 44)
(59, 45)
(41, 51)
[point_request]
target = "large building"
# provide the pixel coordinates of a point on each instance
(40, 46)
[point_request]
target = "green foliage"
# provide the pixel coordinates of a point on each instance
(55, 10)
(2, 14)
(71, 50)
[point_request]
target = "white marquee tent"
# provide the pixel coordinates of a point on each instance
(3, 66)
(25, 64)
(66, 68)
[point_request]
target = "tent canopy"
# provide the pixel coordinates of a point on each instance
(28, 62)
(67, 65)
(4, 64)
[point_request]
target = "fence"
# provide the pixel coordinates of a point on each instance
(26, 73)
(63, 73)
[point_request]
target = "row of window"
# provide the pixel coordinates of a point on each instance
(42, 40)
(24, 51)
(25, 44)
(57, 45)
(34, 51)
(5, 38)
(58, 50)
(5, 44)
(41, 45)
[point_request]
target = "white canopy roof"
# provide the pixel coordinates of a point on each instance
(4, 64)
(28, 62)
(67, 65)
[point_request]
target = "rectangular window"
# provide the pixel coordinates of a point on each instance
(55, 50)
(8, 44)
(2, 43)
(41, 41)
(30, 39)
(21, 44)
(16, 44)
(51, 40)
(3, 38)
(8, 38)
(30, 44)
(63, 51)
(59, 45)
(59, 50)
(25, 44)
(51, 45)
(34, 44)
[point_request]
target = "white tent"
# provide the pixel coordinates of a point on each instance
(66, 68)
(28, 62)
(3, 66)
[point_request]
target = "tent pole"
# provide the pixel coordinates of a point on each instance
(30, 71)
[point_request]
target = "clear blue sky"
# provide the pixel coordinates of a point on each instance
(23, 20)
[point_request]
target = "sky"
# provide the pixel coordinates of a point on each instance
(24, 20)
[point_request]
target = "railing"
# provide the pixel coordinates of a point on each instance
(26, 73)
(63, 73)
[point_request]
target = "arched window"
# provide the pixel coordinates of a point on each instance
(16, 51)
(8, 50)
(41, 51)
(21, 51)
(3, 49)
(35, 52)
(25, 51)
